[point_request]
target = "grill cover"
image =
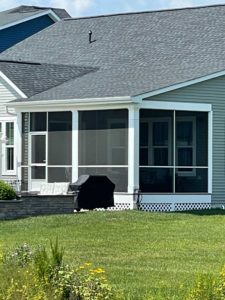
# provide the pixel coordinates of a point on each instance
(93, 192)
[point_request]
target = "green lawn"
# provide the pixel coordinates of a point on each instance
(143, 253)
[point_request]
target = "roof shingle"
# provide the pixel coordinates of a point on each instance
(134, 53)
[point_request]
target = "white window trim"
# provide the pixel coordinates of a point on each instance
(4, 147)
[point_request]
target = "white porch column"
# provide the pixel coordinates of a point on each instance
(133, 149)
(18, 145)
(74, 145)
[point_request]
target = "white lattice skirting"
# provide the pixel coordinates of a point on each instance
(166, 207)
(118, 206)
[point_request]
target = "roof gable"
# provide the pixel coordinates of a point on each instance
(24, 12)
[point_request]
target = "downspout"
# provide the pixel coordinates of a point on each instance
(9, 113)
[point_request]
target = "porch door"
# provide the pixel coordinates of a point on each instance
(37, 160)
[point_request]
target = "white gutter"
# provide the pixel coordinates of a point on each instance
(68, 102)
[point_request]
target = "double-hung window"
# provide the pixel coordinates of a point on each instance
(8, 147)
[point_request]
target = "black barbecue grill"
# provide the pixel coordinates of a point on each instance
(93, 192)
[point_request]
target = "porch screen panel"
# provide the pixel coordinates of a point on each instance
(194, 181)
(60, 138)
(103, 141)
(173, 151)
(156, 180)
(117, 175)
(60, 174)
(38, 121)
(191, 175)
(38, 144)
(156, 151)
(103, 137)
(191, 139)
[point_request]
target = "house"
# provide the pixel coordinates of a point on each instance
(139, 97)
(18, 23)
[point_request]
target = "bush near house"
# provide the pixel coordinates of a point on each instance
(6, 191)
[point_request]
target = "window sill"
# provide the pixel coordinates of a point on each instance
(9, 173)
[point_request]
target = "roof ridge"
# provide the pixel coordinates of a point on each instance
(145, 12)
(37, 7)
(19, 62)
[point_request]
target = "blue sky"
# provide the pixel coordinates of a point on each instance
(96, 7)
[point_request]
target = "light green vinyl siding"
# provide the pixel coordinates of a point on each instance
(209, 92)
(7, 94)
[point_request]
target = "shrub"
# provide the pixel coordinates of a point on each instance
(6, 191)
(205, 288)
(20, 256)
(41, 275)
(47, 266)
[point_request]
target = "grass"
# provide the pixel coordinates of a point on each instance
(143, 253)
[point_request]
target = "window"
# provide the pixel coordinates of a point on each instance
(9, 146)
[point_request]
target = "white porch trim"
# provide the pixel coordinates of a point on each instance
(210, 151)
(185, 106)
(133, 149)
(176, 198)
(45, 104)
(4, 121)
(75, 148)
(18, 146)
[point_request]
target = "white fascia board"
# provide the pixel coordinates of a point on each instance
(49, 12)
(69, 102)
(187, 106)
(15, 88)
(140, 97)
(53, 15)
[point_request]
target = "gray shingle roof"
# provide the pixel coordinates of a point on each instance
(134, 53)
(24, 11)
(36, 78)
